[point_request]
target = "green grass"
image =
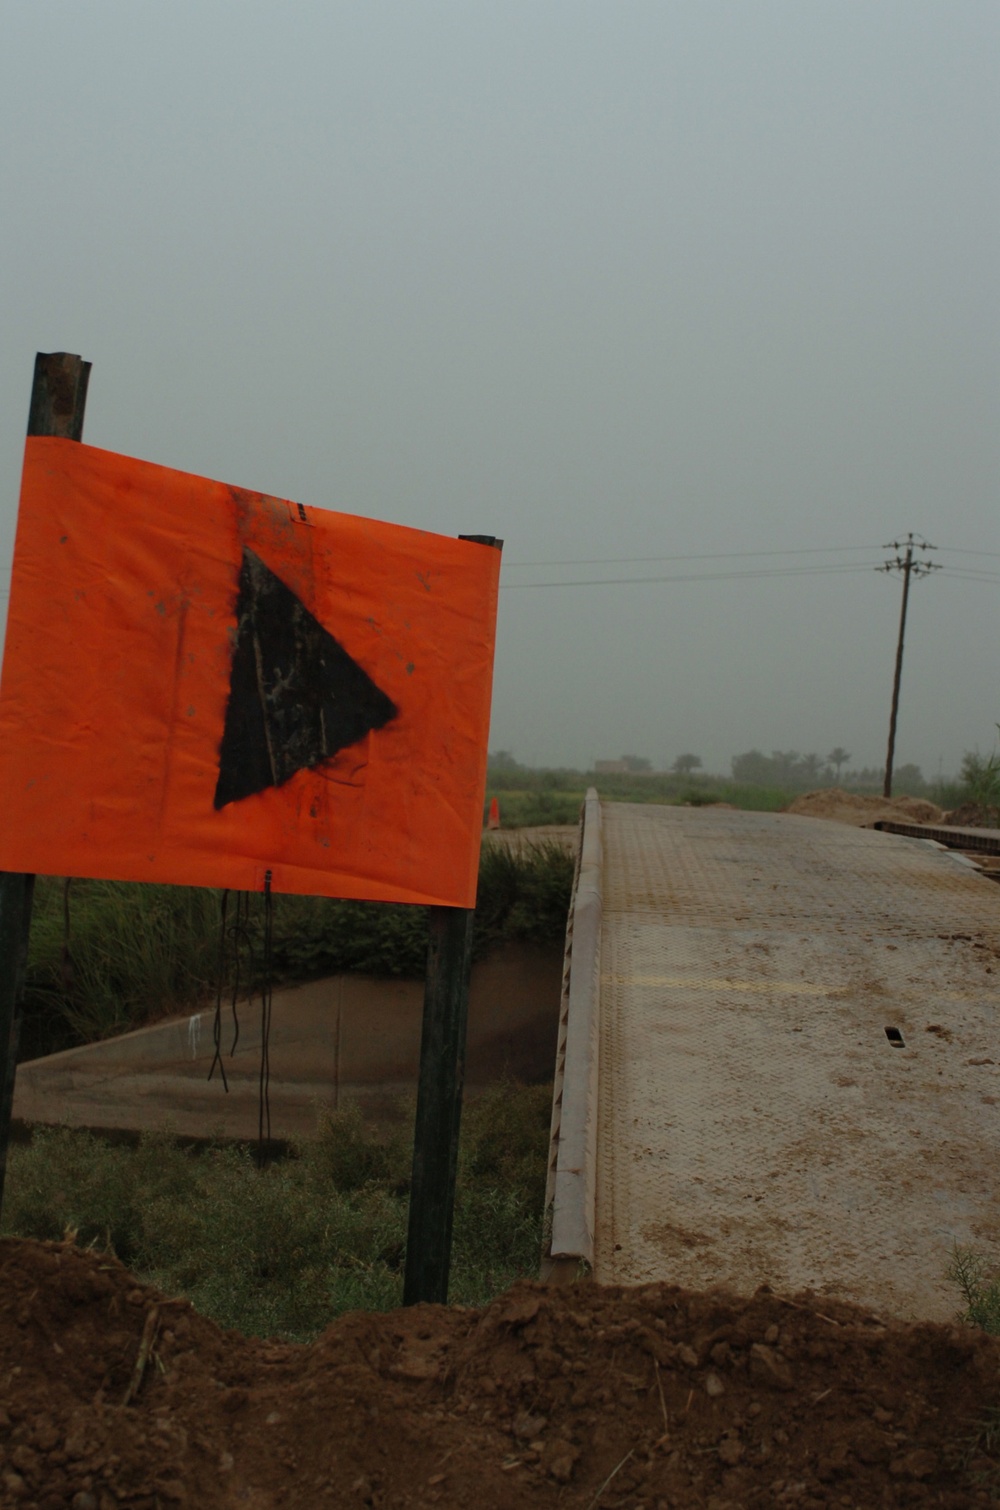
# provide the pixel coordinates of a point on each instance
(529, 807)
(282, 1251)
(138, 952)
(754, 799)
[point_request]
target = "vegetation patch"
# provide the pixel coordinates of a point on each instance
(978, 1283)
(528, 807)
(106, 956)
(134, 953)
(532, 805)
(758, 782)
(281, 1251)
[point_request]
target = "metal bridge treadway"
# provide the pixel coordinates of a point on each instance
(756, 1122)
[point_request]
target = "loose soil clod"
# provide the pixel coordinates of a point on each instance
(573, 1397)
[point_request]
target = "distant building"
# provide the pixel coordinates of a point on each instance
(611, 767)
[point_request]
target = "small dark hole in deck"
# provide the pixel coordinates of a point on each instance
(895, 1037)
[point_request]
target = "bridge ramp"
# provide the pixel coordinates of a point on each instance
(755, 1121)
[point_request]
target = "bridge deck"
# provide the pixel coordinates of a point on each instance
(755, 1122)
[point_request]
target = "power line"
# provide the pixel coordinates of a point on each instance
(701, 556)
(777, 571)
(958, 575)
(952, 574)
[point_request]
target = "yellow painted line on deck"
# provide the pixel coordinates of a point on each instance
(753, 987)
(719, 983)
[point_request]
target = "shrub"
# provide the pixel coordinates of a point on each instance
(283, 1250)
(523, 894)
(979, 1286)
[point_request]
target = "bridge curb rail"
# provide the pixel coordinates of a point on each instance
(572, 1178)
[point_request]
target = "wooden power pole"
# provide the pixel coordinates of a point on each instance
(58, 399)
(908, 567)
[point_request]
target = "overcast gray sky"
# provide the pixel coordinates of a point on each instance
(618, 282)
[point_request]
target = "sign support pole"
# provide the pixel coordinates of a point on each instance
(439, 1093)
(58, 399)
(439, 1105)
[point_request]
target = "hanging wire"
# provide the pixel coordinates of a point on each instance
(241, 937)
(752, 575)
(219, 979)
(817, 550)
(67, 970)
(237, 963)
(266, 985)
(236, 950)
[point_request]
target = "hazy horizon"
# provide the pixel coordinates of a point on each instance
(700, 294)
(848, 770)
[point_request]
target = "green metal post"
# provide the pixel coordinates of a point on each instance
(439, 1092)
(439, 1105)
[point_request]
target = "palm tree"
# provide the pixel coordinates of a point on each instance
(836, 758)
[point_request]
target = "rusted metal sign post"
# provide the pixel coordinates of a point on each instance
(58, 399)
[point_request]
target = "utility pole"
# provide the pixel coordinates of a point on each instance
(908, 567)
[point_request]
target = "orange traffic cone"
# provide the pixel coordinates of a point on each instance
(494, 819)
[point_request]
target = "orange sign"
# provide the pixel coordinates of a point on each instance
(203, 684)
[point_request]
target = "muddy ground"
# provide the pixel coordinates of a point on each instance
(576, 1397)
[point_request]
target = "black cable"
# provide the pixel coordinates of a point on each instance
(699, 556)
(67, 969)
(219, 980)
(970, 576)
(241, 935)
(266, 984)
(727, 576)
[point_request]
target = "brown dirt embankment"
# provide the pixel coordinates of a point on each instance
(973, 815)
(576, 1397)
(850, 807)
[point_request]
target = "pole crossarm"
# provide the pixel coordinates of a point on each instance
(907, 562)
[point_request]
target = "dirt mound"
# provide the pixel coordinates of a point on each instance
(971, 815)
(849, 807)
(663, 1397)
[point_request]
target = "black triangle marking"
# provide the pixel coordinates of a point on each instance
(295, 695)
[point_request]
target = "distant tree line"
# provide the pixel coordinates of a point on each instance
(782, 770)
(794, 772)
